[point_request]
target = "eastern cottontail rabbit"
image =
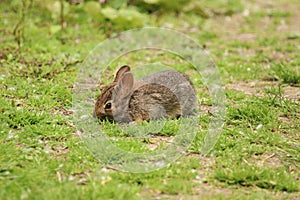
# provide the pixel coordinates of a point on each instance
(166, 94)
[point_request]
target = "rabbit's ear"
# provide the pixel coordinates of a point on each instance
(121, 72)
(126, 82)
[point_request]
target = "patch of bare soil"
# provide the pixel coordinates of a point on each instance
(156, 141)
(206, 191)
(257, 88)
(209, 191)
(80, 178)
(56, 150)
(65, 112)
(265, 160)
(207, 163)
(292, 93)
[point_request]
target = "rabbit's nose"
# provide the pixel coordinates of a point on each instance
(94, 114)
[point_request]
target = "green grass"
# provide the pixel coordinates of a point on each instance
(256, 157)
(287, 75)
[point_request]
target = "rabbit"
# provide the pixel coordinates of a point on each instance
(166, 94)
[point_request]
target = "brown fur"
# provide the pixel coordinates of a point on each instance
(167, 94)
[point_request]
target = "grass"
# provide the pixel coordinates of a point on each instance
(288, 76)
(256, 156)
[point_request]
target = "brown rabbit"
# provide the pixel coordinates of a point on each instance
(166, 94)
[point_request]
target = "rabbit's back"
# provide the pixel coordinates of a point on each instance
(180, 85)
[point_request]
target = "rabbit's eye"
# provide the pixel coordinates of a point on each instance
(108, 105)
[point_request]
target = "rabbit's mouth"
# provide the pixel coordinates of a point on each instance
(103, 117)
